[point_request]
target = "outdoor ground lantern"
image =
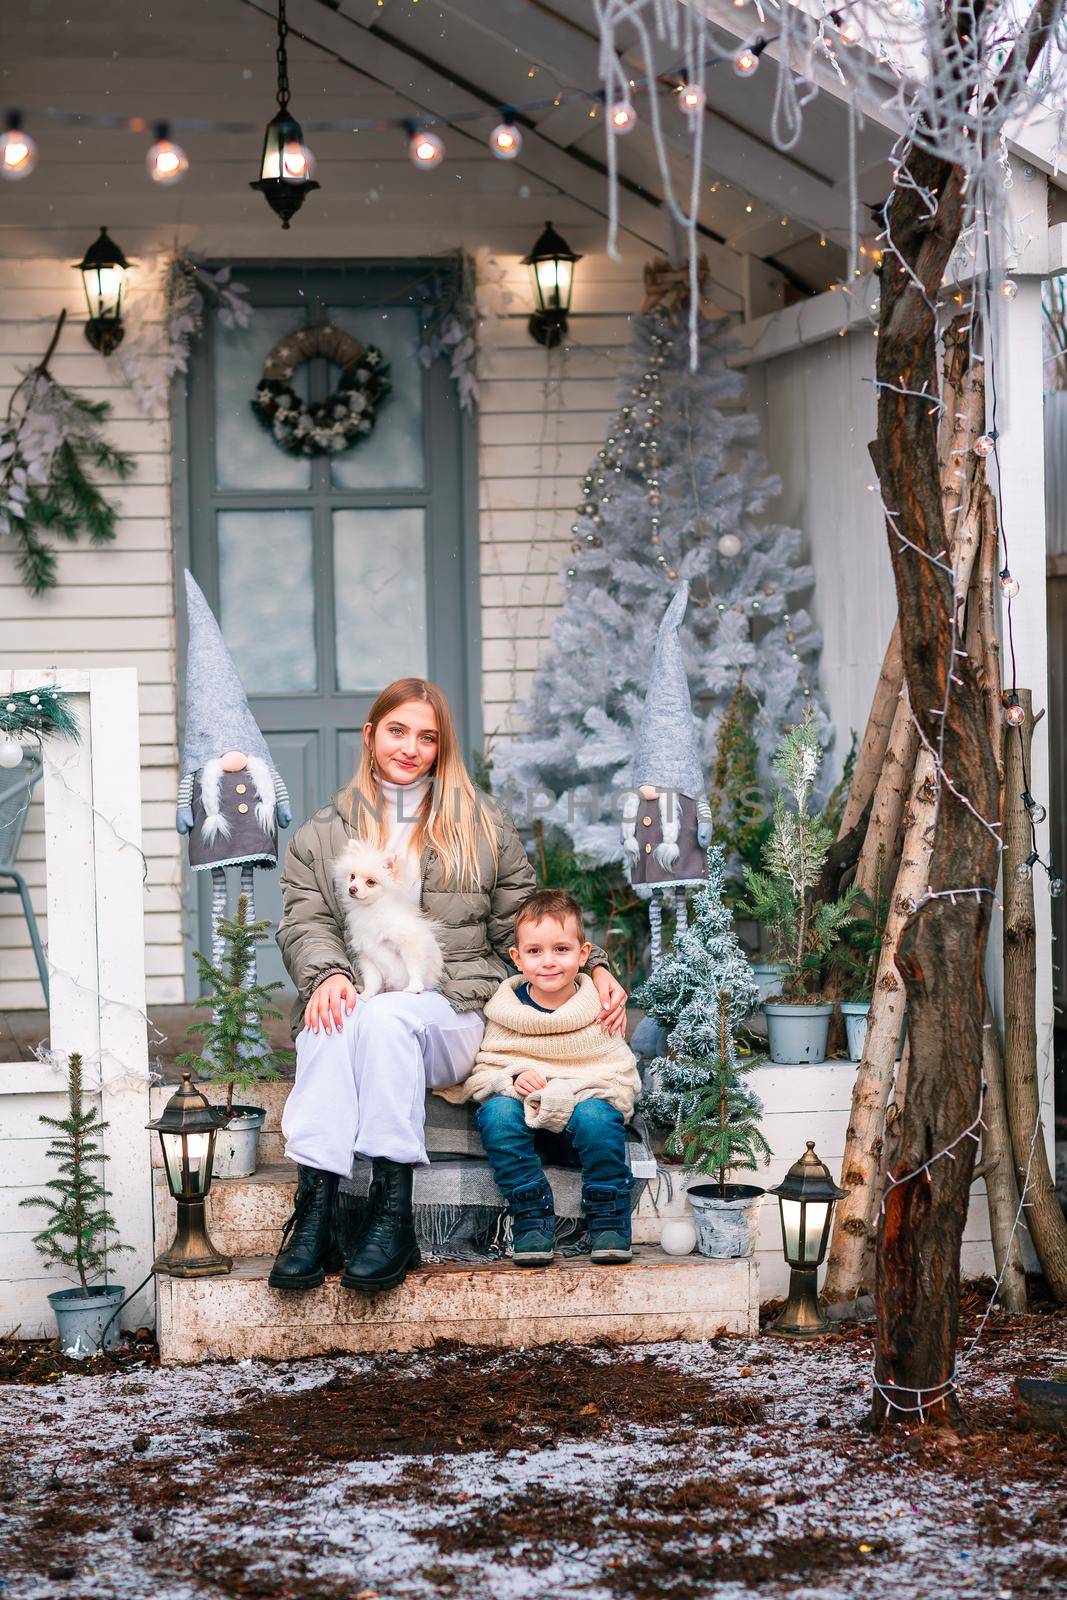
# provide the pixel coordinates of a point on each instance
(806, 1198)
(552, 261)
(103, 268)
(187, 1131)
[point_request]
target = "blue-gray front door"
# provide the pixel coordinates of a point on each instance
(331, 576)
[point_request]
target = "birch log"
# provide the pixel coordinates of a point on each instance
(1002, 1191)
(850, 1265)
(875, 736)
(1045, 1220)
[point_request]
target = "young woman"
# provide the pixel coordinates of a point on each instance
(363, 1067)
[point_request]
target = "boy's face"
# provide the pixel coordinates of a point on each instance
(549, 953)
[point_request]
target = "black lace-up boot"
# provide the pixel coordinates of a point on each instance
(387, 1249)
(308, 1250)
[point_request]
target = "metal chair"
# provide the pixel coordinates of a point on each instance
(16, 792)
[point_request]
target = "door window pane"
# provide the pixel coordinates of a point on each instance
(392, 456)
(379, 571)
(246, 455)
(267, 598)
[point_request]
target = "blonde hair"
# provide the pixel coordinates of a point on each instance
(453, 817)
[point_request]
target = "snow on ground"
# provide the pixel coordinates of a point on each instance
(729, 1470)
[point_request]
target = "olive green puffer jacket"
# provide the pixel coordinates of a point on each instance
(476, 927)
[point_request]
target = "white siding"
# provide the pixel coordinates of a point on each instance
(817, 410)
(114, 607)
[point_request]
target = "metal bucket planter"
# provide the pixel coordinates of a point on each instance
(237, 1144)
(855, 1014)
(767, 976)
(81, 1316)
(797, 1034)
(726, 1225)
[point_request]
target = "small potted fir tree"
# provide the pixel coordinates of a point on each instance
(80, 1232)
(234, 1050)
(701, 993)
(802, 928)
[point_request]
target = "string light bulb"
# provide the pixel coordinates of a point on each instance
(18, 152)
(850, 31)
(897, 8)
(1009, 586)
(1014, 715)
(622, 116)
(747, 61)
(1056, 887)
(983, 445)
(426, 148)
(691, 98)
(167, 162)
(1009, 288)
(1025, 870)
(1036, 810)
(505, 141)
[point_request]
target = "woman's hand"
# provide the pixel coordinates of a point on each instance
(613, 998)
(529, 1082)
(326, 1002)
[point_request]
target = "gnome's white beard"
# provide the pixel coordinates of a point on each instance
(215, 825)
(670, 821)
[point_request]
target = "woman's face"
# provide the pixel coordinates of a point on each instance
(404, 745)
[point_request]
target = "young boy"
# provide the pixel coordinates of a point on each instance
(546, 1063)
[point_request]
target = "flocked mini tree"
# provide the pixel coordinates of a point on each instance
(783, 894)
(80, 1232)
(233, 1048)
(701, 993)
(679, 490)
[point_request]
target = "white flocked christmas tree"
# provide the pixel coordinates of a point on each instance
(679, 490)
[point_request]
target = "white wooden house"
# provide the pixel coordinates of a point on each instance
(477, 509)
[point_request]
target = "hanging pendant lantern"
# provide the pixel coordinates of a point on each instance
(286, 164)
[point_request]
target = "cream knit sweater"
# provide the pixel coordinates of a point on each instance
(568, 1046)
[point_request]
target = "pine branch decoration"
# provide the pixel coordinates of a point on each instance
(233, 1049)
(39, 712)
(80, 1224)
(51, 443)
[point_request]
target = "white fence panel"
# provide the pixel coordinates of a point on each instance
(95, 875)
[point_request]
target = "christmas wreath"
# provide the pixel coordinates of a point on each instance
(348, 414)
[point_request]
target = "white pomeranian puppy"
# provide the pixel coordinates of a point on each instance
(390, 939)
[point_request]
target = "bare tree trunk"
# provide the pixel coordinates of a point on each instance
(941, 948)
(941, 951)
(1002, 1193)
(876, 736)
(850, 1266)
(850, 1271)
(1045, 1220)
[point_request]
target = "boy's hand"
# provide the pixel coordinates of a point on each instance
(613, 999)
(529, 1082)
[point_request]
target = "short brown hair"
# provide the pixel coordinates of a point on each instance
(556, 903)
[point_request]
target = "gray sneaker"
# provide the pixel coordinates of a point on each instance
(608, 1246)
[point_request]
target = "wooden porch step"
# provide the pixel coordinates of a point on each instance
(498, 1305)
(245, 1216)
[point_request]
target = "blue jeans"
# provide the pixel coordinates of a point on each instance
(596, 1131)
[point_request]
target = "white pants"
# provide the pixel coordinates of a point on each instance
(361, 1092)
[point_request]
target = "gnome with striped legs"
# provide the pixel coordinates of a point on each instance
(231, 799)
(666, 820)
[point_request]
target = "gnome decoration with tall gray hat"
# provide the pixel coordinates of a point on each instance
(231, 799)
(666, 819)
